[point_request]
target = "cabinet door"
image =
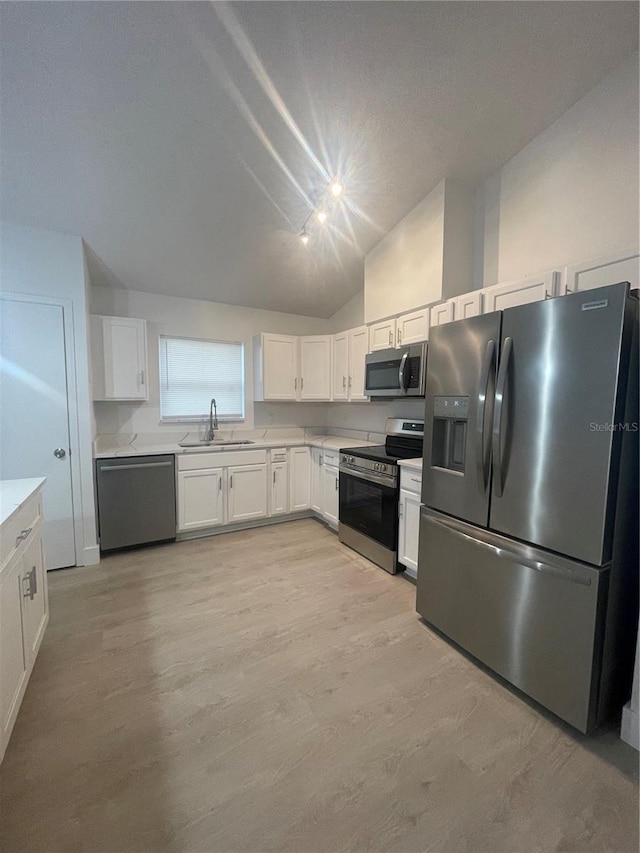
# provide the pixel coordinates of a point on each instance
(340, 366)
(125, 358)
(623, 266)
(441, 314)
(200, 498)
(330, 494)
(408, 527)
(358, 349)
(34, 596)
(315, 367)
(299, 479)
(316, 501)
(534, 289)
(279, 503)
(382, 335)
(412, 328)
(280, 367)
(247, 492)
(468, 305)
(13, 665)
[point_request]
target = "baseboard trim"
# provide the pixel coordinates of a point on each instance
(630, 728)
(243, 525)
(89, 556)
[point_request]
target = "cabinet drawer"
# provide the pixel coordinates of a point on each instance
(330, 457)
(278, 454)
(411, 480)
(24, 520)
(220, 459)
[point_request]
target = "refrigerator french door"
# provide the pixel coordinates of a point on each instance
(528, 536)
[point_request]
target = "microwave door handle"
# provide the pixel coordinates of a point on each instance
(403, 362)
(483, 437)
(498, 416)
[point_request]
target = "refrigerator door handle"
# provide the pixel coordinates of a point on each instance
(403, 362)
(517, 554)
(483, 442)
(498, 416)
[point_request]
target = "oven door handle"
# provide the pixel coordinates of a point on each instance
(378, 479)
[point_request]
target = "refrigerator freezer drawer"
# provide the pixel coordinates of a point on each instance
(532, 617)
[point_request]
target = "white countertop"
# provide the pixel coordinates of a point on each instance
(334, 442)
(414, 464)
(15, 493)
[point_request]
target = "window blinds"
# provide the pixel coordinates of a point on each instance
(193, 371)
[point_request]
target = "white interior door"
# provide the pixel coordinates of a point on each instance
(35, 418)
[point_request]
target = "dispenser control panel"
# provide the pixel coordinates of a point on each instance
(450, 407)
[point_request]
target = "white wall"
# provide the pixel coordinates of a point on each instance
(168, 315)
(571, 194)
(49, 264)
(350, 315)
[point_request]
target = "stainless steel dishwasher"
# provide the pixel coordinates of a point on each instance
(136, 500)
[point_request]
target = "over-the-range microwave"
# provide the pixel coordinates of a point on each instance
(396, 372)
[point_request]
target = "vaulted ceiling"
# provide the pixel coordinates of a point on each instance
(184, 141)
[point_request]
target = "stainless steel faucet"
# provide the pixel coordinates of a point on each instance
(213, 420)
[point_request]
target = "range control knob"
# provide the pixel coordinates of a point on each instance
(382, 468)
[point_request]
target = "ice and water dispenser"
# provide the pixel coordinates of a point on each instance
(449, 442)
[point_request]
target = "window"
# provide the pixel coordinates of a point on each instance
(193, 371)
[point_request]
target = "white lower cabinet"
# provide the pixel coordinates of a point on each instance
(200, 498)
(409, 519)
(247, 492)
(316, 499)
(408, 528)
(279, 492)
(24, 608)
(299, 479)
(330, 494)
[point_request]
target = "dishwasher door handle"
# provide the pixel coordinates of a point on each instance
(132, 467)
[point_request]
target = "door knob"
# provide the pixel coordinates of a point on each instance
(59, 452)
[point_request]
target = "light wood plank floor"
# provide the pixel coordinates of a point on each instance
(272, 691)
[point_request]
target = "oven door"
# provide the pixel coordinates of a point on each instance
(369, 505)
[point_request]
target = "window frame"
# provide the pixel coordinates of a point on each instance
(200, 419)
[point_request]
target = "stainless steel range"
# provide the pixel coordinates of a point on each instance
(370, 490)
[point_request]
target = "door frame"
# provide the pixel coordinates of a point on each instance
(72, 402)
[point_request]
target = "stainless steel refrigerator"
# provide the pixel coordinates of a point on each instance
(528, 555)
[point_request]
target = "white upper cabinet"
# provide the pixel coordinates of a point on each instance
(349, 350)
(119, 358)
(276, 367)
(315, 367)
(621, 266)
(382, 335)
(299, 479)
(340, 366)
(512, 293)
(441, 314)
(425, 258)
(468, 305)
(358, 349)
(412, 328)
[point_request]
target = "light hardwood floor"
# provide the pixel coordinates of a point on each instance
(270, 690)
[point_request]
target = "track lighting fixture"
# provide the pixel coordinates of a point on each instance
(323, 201)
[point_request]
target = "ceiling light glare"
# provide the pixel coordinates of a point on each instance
(321, 216)
(305, 238)
(336, 189)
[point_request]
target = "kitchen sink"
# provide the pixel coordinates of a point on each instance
(214, 443)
